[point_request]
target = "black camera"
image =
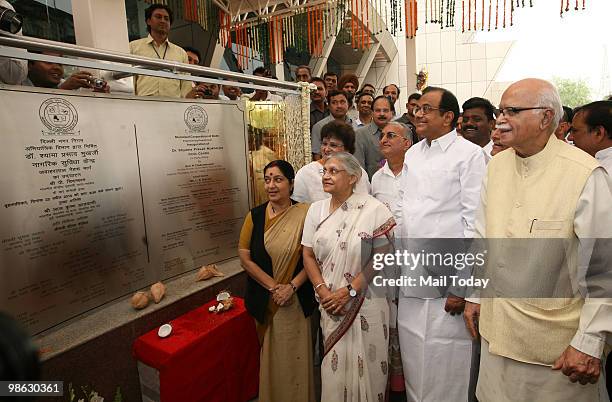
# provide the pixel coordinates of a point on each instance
(10, 21)
(207, 92)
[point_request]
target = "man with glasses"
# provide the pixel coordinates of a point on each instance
(540, 189)
(367, 138)
(156, 45)
(395, 139)
(338, 103)
(592, 131)
(439, 194)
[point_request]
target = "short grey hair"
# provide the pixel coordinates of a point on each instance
(406, 131)
(549, 97)
(350, 163)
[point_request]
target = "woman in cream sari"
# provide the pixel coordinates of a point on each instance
(354, 315)
(278, 294)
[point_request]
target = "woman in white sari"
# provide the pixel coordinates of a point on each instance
(354, 316)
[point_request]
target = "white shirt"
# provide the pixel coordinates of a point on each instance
(440, 187)
(12, 71)
(308, 185)
(386, 189)
(604, 157)
(358, 123)
(487, 151)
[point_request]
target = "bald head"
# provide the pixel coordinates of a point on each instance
(529, 113)
(542, 93)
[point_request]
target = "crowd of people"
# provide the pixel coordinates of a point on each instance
(529, 168)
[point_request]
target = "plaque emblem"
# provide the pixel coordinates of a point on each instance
(196, 118)
(58, 115)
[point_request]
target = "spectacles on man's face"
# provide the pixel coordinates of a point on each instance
(426, 109)
(511, 111)
(332, 172)
(389, 134)
(332, 145)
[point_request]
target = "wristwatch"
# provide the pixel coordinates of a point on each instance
(352, 292)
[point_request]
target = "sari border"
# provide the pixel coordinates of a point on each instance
(344, 326)
(384, 228)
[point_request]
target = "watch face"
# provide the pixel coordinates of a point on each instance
(353, 293)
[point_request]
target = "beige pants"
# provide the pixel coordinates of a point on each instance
(505, 380)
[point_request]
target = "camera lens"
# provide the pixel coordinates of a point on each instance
(10, 21)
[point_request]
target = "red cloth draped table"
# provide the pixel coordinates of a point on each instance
(207, 358)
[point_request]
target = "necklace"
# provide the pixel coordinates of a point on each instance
(274, 211)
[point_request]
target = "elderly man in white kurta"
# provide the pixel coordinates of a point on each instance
(542, 188)
(395, 140)
(440, 191)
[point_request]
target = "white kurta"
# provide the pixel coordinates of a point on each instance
(386, 189)
(487, 151)
(12, 71)
(308, 185)
(440, 189)
(604, 157)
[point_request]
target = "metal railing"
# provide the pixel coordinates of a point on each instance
(128, 64)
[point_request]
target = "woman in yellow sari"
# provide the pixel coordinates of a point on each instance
(279, 295)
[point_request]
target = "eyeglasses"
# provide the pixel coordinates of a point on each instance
(389, 134)
(426, 109)
(332, 145)
(513, 111)
(332, 172)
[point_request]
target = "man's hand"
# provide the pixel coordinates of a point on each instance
(454, 305)
(578, 366)
(80, 79)
(470, 316)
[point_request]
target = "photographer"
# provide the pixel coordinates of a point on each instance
(205, 90)
(12, 71)
(49, 75)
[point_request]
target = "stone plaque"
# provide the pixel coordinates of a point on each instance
(100, 196)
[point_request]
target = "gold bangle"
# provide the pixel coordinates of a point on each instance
(318, 286)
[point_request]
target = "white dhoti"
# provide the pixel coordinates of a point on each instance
(506, 380)
(436, 351)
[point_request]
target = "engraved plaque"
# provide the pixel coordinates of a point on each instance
(100, 196)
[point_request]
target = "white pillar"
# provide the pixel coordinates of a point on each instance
(101, 24)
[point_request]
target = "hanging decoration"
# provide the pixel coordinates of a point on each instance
(567, 6)
(306, 27)
(421, 79)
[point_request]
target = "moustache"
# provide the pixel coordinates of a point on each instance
(503, 127)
